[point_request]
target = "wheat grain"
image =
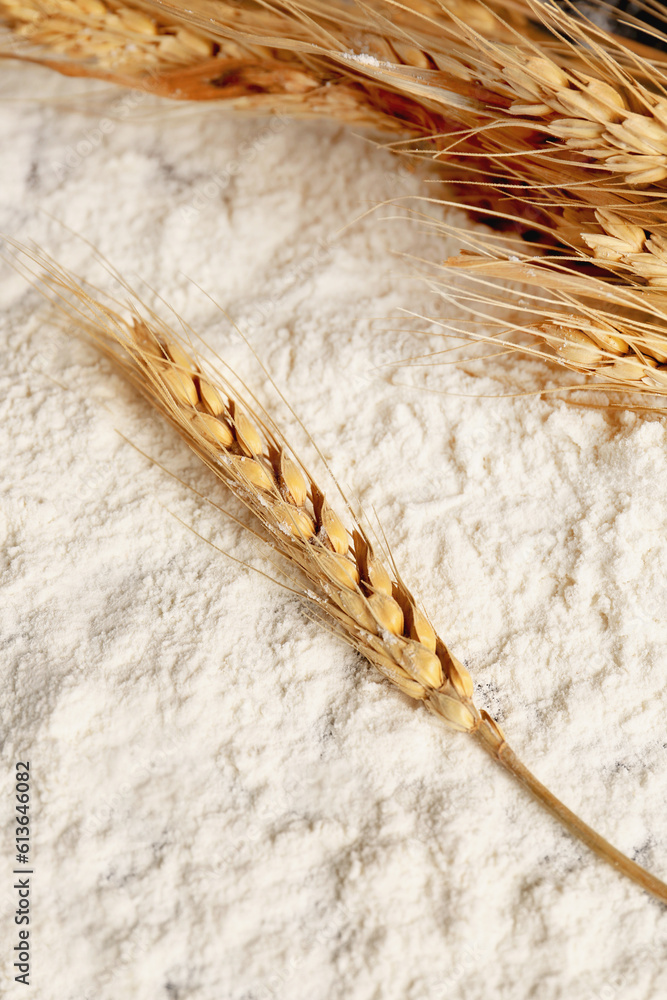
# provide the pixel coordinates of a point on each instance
(105, 34)
(347, 581)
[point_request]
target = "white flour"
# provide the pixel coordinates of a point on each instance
(226, 804)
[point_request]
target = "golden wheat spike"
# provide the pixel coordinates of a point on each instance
(527, 102)
(494, 60)
(363, 599)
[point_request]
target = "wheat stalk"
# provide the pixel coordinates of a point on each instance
(353, 589)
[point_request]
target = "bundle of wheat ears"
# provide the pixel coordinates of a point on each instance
(534, 115)
(537, 116)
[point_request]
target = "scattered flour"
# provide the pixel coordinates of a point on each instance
(364, 57)
(226, 804)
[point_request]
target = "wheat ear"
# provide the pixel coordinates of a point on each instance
(566, 121)
(532, 105)
(295, 59)
(353, 589)
(530, 70)
(592, 323)
(104, 35)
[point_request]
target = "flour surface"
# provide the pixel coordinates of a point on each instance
(227, 805)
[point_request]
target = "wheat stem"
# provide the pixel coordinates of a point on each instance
(487, 736)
